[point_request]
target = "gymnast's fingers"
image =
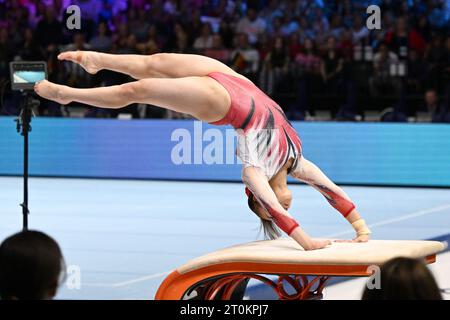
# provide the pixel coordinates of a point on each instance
(344, 241)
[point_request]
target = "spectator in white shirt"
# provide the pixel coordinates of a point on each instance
(205, 40)
(252, 26)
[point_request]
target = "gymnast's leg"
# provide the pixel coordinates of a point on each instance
(309, 173)
(160, 65)
(202, 97)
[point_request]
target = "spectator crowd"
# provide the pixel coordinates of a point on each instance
(309, 55)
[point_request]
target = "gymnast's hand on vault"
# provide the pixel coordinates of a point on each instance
(361, 238)
(319, 244)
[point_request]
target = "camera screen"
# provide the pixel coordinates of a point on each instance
(25, 74)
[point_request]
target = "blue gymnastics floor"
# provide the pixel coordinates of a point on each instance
(125, 236)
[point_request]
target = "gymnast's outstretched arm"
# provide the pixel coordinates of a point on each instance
(258, 184)
(160, 65)
(308, 172)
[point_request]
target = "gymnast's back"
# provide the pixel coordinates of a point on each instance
(266, 138)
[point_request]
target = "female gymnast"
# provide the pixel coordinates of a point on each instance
(208, 90)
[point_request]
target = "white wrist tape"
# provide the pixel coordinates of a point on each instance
(361, 227)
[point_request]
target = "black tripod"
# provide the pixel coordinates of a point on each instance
(23, 127)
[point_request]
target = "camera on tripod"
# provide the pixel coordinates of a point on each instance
(25, 74)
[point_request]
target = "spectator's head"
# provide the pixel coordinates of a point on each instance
(41, 8)
(252, 14)
(357, 21)
(273, 5)
(309, 45)
(383, 49)
(31, 267)
(49, 14)
(401, 26)
(278, 44)
(437, 42)
(132, 14)
(206, 30)
(3, 35)
(413, 55)
(336, 21)
(217, 42)
(132, 41)
(178, 29)
(28, 35)
(331, 43)
(303, 22)
(102, 29)
(123, 30)
(242, 41)
(404, 279)
(78, 41)
(152, 32)
(431, 99)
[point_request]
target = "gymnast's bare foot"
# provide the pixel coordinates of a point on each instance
(51, 91)
(89, 60)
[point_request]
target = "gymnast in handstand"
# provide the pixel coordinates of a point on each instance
(208, 90)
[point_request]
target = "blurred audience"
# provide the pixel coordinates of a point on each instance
(309, 55)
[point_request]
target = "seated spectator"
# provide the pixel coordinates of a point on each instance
(404, 279)
(415, 79)
(307, 67)
(360, 31)
(294, 45)
(275, 65)
(251, 25)
(205, 40)
(226, 32)
(31, 267)
(439, 111)
(152, 43)
(331, 71)
(49, 30)
(218, 51)
(245, 59)
(404, 37)
(336, 26)
(101, 42)
(139, 25)
(382, 82)
(435, 56)
(6, 53)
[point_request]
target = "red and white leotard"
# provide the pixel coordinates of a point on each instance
(266, 139)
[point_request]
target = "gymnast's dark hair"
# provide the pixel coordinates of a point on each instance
(404, 279)
(268, 227)
(31, 266)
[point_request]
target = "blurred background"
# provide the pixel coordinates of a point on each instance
(316, 58)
